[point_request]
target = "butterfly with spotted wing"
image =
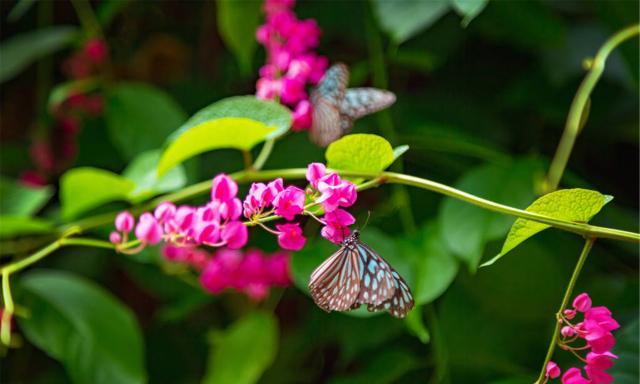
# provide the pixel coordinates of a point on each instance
(335, 106)
(356, 275)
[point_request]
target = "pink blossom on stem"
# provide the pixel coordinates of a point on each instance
(223, 188)
(553, 370)
(573, 376)
(148, 231)
(96, 50)
(289, 202)
(302, 116)
(315, 171)
(235, 234)
(567, 331)
(337, 224)
(290, 236)
(125, 222)
(582, 302)
(336, 192)
(164, 212)
(569, 314)
(115, 237)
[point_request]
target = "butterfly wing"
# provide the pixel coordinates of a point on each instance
(400, 303)
(358, 102)
(326, 100)
(376, 281)
(335, 284)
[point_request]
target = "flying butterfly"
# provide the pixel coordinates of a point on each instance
(335, 107)
(357, 275)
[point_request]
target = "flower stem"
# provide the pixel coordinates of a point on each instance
(565, 301)
(577, 113)
(264, 154)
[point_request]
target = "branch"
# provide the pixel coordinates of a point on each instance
(577, 113)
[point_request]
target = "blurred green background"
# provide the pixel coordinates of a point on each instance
(482, 108)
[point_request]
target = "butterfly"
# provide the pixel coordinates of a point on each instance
(356, 275)
(335, 107)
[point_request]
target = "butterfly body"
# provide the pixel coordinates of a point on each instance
(356, 275)
(335, 107)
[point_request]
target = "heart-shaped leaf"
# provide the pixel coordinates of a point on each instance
(237, 122)
(362, 153)
(577, 204)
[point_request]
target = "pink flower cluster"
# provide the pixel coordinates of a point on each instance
(325, 189)
(55, 152)
(214, 224)
(87, 61)
(595, 331)
(253, 272)
(291, 62)
(217, 223)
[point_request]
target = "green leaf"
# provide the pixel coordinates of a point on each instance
(468, 9)
(85, 188)
(140, 117)
(465, 228)
(434, 266)
(20, 200)
(578, 205)
(78, 323)
(403, 19)
(241, 353)
(143, 172)
(415, 323)
(362, 153)
(23, 225)
(18, 10)
(237, 122)
(20, 51)
(237, 24)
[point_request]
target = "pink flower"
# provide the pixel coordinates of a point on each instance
(337, 224)
(32, 179)
(315, 171)
(289, 202)
(164, 211)
(115, 237)
(335, 235)
(223, 188)
(125, 222)
(336, 192)
(231, 209)
(582, 302)
(175, 254)
(278, 268)
(290, 236)
(573, 376)
(567, 331)
(96, 50)
(184, 217)
(267, 89)
(602, 316)
(553, 370)
(599, 339)
(257, 291)
(212, 277)
(302, 116)
(569, 314)
(148, 230)
(235, 234)
(598, 376)
(601, 361)
(292, 90)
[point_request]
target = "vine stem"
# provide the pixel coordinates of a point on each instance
(577, 112)
(565, 302)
